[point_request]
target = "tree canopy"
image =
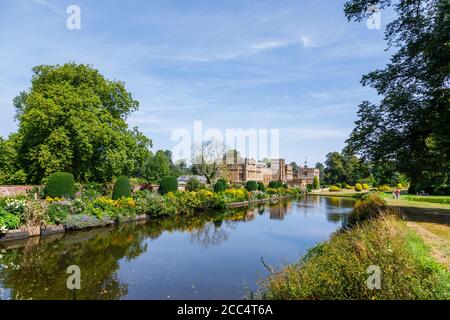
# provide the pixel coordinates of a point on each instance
(409, 126)
(73, 119)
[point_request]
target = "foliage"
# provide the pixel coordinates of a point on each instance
(157, 167)
(57, 212)
(365, 186)
(316, 184)
(358, 187)
(309, 187)
(220, 185)
(35, 213)
(410, 124)
(73, 119)
(334, 188)
(168, 184)
(193, 184)
(369, 207)
(60, 184)
(9, 220)
(384, 188)
(261, 186)
(251, 185)
(337, 269)
(10, 170)
(399, 185)
(345, 185)
(14, 205)
(81, 221)
(235, 195)
(122, 188)
(275, 184)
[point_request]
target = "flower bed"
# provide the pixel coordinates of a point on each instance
(28, 216)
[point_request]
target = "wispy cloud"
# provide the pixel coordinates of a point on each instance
(47, 4)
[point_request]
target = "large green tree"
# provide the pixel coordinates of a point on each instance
(73, 119)
(409, 126)
(157, 167)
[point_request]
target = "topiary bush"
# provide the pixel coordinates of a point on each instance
(220, 185)
(275, 184)
(261, 186)
(60, 185)
(251, 185)
(121, 188)
(384, 188)
(334, 189)
(365, 186)
(358, 187)
(399, 185)
(309, 187)
(168, 184)
(316, 182)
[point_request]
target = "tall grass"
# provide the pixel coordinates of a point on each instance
(337, 269)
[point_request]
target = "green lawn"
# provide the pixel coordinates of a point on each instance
(426, 202)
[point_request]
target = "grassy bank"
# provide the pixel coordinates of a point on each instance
(337, 269)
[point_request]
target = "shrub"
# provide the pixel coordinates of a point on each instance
(220, 185)
(399, 185)
(193, 184)
(168, 184)
(251, 185)
(57, 213)
(122, 188)
(15, 205)
(60, 184)
(285, 186)
(261, 187)
(9, 220)
(365, 186)
(316, 182)
(309, 187)
(334, 189)
(345, 185)
(35, 213)
(369, 207)
(275, 184)
(358, 187)
(384, 188)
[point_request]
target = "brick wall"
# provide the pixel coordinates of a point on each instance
(13, 190)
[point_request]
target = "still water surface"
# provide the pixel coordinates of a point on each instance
(213, 256)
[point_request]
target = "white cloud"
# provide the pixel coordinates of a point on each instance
(50, 6)
(307, 42)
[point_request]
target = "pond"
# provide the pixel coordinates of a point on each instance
(204, 256)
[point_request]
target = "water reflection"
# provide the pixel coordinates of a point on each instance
(36, 268)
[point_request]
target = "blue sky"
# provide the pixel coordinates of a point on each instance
(292, 65)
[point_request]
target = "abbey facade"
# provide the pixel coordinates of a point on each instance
(241, 171)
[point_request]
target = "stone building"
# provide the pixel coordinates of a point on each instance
(242, 171)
